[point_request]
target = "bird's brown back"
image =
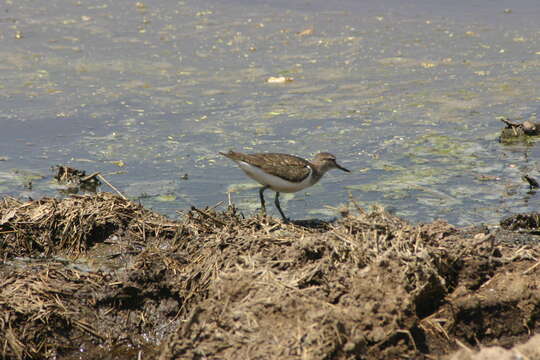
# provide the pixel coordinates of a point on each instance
(285, 166)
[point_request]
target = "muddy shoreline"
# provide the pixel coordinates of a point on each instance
(97, 276)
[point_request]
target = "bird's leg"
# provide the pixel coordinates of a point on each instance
(279, 208)
(263, 207)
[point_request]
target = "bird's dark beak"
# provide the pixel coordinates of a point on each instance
(342, 168)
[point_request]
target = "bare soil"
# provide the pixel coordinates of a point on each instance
(100, 277)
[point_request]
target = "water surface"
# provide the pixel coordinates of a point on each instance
(405, 95)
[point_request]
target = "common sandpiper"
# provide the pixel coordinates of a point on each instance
(283, 172)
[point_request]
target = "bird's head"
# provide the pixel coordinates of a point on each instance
(326, 161)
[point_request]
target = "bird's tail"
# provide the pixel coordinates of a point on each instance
(229, 154)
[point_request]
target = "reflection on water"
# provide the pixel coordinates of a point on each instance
(406, 95)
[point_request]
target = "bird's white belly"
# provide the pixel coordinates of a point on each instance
(276, 183)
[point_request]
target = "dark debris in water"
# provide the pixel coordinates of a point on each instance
(217, 285)
(533, 184)
(525, 221)
(76, 180)
(516, 129)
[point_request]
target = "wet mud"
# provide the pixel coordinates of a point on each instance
(101, 277)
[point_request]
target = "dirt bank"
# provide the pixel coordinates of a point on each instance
(101, 277)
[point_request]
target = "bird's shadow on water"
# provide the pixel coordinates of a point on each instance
(276, 223)
(312, 223)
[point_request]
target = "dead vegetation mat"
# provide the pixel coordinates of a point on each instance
(102, 277)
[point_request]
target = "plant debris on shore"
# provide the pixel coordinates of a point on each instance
(102, 276)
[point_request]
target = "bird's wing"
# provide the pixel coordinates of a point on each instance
(288, 167)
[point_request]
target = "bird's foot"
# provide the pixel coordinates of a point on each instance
(263, 216)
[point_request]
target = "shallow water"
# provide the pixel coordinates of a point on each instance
(406, 96)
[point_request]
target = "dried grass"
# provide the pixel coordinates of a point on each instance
(217, 285)
(299, 292)
(42, 303)
(71, 225)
